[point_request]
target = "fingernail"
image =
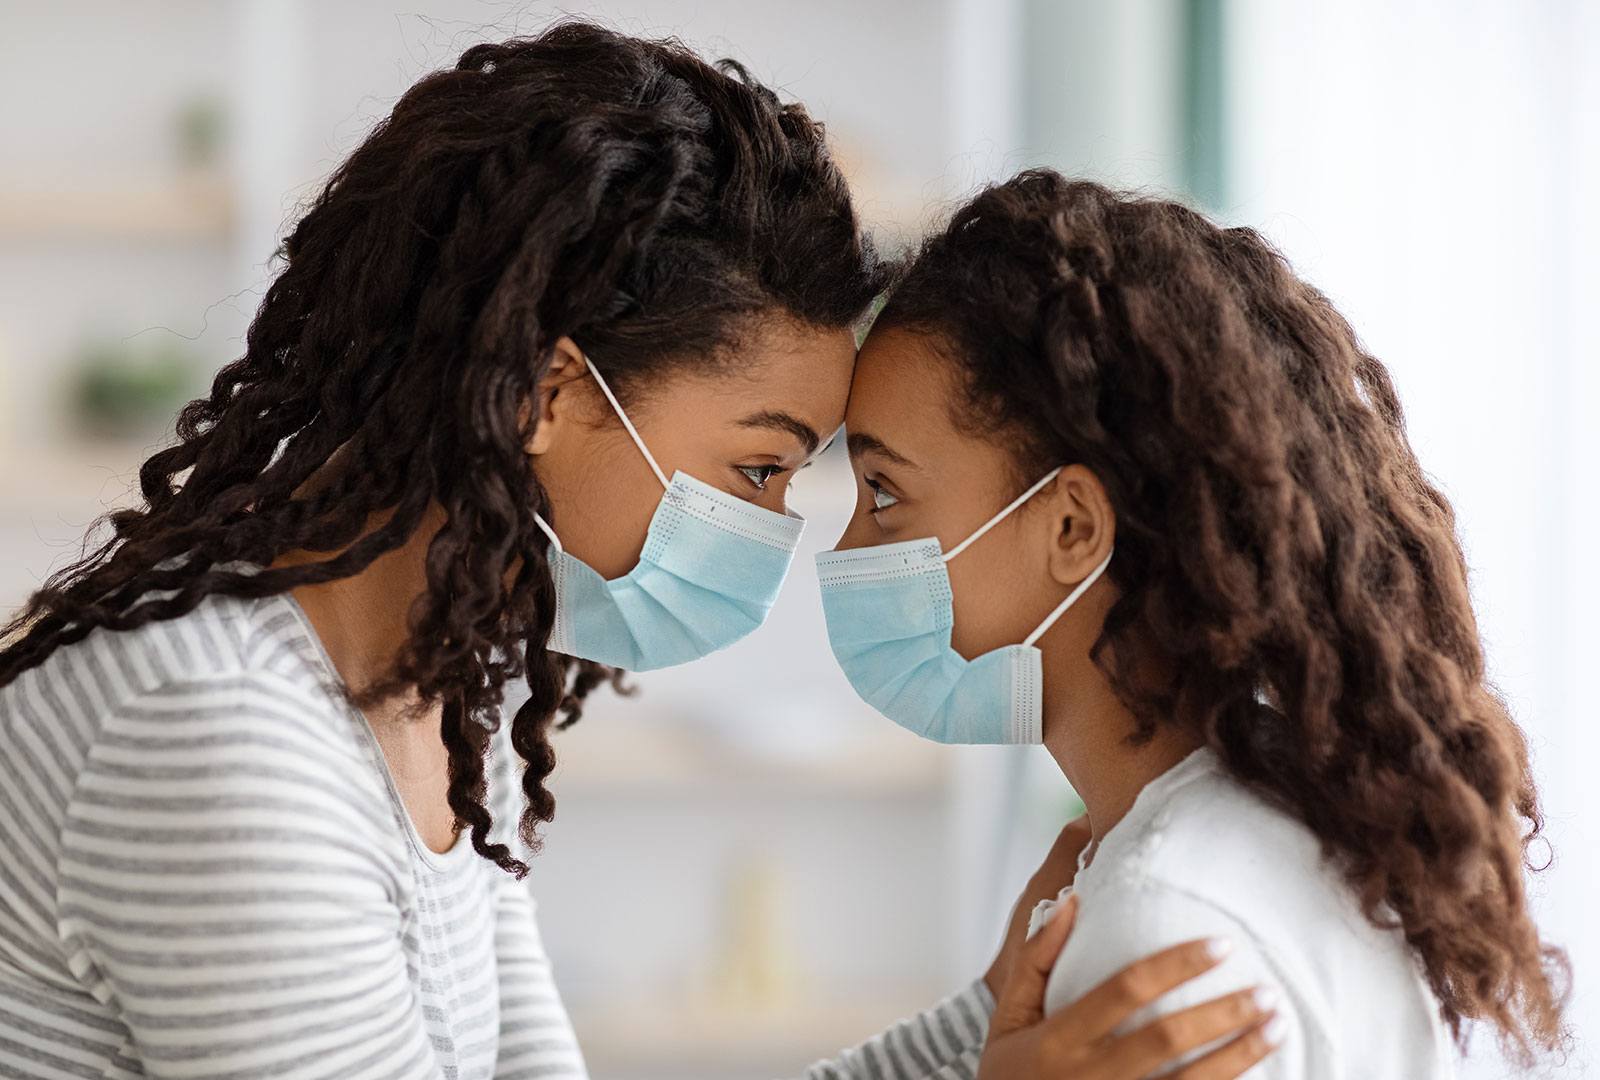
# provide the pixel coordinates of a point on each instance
(1275, 1030)
(1266, 999)
(1217, 948)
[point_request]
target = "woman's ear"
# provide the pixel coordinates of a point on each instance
(553, 403)
(1081, 522)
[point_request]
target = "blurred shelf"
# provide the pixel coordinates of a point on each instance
(186, 208)
(678, 1033)
(681, 761)
(71, 478)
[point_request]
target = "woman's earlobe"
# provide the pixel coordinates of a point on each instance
(543, 433)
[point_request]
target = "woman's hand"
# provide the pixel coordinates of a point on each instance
(1054, 874)
(1078, 1043)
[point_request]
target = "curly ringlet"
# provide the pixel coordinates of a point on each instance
(1281, 556)
(581, 183)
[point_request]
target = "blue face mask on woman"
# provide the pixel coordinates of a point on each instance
(710, 570)
(889, 618)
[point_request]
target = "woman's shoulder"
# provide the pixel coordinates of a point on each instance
(221, 637)
(225, 680)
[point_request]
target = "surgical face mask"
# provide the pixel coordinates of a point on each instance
(710, 570)
(889, 619)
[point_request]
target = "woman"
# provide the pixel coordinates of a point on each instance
(243, 735)
(1130, 488)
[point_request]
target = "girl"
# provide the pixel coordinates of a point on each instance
(256, 817)
(1131, 488)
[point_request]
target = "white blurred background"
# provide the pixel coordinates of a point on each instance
(749, 869)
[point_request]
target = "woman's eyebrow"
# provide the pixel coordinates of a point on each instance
(859, 442)
(782, 421)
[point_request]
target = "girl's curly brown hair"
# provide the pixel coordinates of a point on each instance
(581, 183)
(1281, 556)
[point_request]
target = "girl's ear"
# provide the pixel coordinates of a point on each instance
(553, 406)
(1082, 525)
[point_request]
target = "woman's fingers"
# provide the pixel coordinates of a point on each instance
(1077, 1041)
(1137, 985)
(1170, 1037)
(1021, 1001)
(1235, 1058)
(1047, 883)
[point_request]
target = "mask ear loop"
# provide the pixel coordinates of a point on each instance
(1001, 516)
(632, 431)
(1072, 598)
(555, 541)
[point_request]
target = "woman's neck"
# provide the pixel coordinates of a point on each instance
(1088, 730)
(363, 620)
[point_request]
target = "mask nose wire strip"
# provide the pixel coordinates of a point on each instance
(1001, 516)
(1083, 587)
(632, 431)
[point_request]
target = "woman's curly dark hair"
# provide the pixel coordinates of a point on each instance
(1281, 558)
(581, 183)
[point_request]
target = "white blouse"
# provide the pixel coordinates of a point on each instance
(1199, 855)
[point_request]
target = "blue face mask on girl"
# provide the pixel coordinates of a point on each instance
(710, 570)
(889, 618)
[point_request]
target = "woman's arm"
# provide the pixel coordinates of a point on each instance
(942, 1043)
(225, 887)
(1083, 1042)
(536, 1038)
(968, 1034)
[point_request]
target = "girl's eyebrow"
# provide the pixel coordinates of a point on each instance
(782, 421)
(859, 443)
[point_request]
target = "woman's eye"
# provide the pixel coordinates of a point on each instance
(881, 499)
(760, 474)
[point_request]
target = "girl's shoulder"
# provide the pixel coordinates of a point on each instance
(1202, 855)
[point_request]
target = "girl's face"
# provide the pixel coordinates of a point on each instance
(746, 430)
(919, 475)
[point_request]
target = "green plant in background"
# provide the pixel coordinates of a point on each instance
(200, 128)
(122, 391)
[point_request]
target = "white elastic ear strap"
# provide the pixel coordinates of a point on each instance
(555, 541)
(632, 431)
(1072, 598)
(1001, 516)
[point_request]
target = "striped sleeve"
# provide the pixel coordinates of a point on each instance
(943, 1043)
(227, 889)
(536, 1038)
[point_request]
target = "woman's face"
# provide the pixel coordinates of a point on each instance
(919, 475)
(744, 428)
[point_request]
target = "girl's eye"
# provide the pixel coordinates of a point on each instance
(760, 474)
(881, 499)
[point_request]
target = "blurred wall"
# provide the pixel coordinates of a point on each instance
(749, 868)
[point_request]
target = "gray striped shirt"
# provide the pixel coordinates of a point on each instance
(208, 872)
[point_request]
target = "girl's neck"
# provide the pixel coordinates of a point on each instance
(1088, 730)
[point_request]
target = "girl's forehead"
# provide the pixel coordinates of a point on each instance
(903, 378)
